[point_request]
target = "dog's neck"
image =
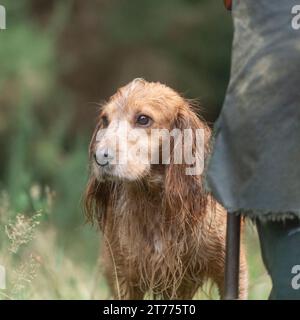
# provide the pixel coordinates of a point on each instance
(150, 187)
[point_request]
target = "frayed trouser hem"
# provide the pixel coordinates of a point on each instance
(263, 215)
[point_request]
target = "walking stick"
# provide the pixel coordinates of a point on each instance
(232, 260)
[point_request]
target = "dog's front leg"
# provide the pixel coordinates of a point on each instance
(121, 279)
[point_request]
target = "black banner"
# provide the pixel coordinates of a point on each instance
(147, 309)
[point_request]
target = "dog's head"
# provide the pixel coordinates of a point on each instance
(147, 131)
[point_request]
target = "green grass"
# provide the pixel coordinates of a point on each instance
(43, 262)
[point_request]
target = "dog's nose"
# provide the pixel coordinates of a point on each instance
(103, 156)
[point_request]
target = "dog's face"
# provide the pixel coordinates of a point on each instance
(129, 135)
(136, 140)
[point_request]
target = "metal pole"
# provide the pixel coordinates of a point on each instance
(232, 261)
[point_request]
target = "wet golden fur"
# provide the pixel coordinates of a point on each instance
(163, 232)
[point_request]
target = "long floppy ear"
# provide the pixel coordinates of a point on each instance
(97, 195)
(182, 191)
(96, 199)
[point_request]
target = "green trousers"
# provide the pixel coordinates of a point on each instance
(280, 246)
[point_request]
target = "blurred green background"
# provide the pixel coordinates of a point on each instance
(58, 59)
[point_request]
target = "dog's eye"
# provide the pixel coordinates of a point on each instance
(143, 120)
(105, 121)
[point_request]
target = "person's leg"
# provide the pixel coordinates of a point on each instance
(280, 246)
